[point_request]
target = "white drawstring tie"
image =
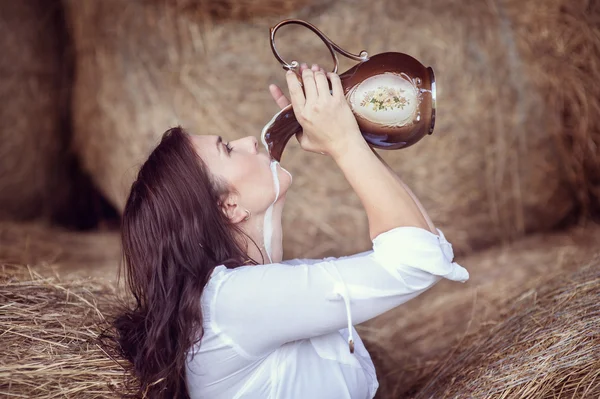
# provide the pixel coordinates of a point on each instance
(341, 291)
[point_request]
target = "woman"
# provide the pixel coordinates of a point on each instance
(218, 313)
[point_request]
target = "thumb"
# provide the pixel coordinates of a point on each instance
(299, 137)
(278, 96)
(304, 141)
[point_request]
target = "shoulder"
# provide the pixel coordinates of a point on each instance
(224, 276)
(304, 261)
(212, 287)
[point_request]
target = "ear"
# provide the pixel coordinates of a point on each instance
(234, 212)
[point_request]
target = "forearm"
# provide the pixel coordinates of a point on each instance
(386, 199)
(430, 224)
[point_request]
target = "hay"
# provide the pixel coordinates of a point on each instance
(563, 38)
(237, 9)
(77, 254)
(49, 325)
(546, 346)
(518, 112)
(501, 163)
(408, 342)
(49, 332)
(33, 89)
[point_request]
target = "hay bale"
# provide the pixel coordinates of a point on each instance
(76, 254)
(563, 39)
(49, 332)
(546, 346)
(408, 342)
(495, 169)
(34, 104)
(237, 9)
(518, 110)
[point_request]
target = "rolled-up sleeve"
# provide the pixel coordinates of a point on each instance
(262, 307)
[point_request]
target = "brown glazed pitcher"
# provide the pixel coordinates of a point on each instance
(392, 96)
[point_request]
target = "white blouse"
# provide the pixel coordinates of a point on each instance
(282, 331)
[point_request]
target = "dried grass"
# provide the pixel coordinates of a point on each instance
(49, 325)
(547, 346)
(513, 151)
(237, 9)
(49, 332)
(563, 40)
(409, 342)
(518, 114)
(76, 254)
(34, 104)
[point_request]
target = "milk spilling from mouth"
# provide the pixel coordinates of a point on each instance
(268, 220)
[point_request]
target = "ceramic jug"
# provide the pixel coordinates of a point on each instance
(392, 96)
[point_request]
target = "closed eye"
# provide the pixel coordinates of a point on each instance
(229, 148)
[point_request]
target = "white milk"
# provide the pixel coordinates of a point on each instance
(268, 221)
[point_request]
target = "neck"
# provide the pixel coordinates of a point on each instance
(255, 228)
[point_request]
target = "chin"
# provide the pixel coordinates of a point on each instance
(285, 180)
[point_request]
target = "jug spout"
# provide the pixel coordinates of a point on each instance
(280, 129)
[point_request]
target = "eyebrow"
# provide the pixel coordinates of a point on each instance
(219, 144)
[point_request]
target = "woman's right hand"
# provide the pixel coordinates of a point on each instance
(328, 123)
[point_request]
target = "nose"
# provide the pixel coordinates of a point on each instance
(249, 143)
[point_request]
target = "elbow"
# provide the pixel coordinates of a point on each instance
(418, 252)
(383, 229)
(413, 279)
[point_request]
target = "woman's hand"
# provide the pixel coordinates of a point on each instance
(277, 94)
(325, 116)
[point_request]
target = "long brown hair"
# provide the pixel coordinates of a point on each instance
(174, 234)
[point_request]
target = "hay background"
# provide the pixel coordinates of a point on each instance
(511, 153)
(59, 315)
(49, 330)
(34, 107)
(94, 254)
(545, 346)
(409, 341)
(515, 152)
(237, 9)
(40, 176)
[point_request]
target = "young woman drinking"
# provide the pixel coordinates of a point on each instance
(218, 313)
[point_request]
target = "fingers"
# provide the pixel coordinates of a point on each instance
(296, 93)
(316, 68)
(299, 137)
(314, 82)
(278, 96)
(310, 87)
(336, 85)
(321, 81)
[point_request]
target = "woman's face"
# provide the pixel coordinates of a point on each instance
(244, 167)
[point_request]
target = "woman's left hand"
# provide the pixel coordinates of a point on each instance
(277, 94)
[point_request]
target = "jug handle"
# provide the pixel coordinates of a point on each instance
(362, 56)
